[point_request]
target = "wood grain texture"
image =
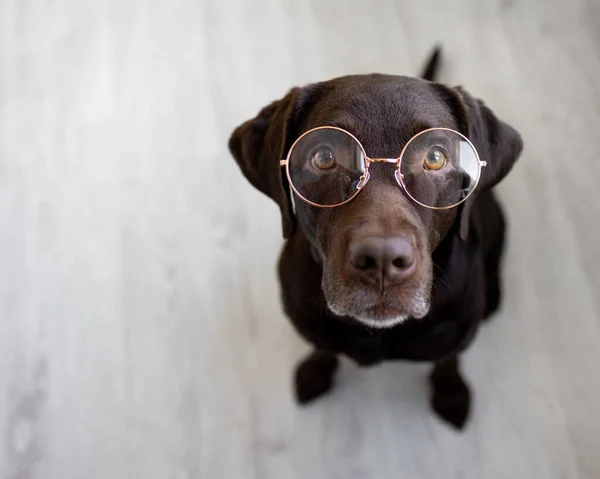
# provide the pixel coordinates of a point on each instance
(141, 333)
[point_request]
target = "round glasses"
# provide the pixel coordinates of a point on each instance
(438, 168)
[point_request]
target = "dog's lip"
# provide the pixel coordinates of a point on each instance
(384, 310)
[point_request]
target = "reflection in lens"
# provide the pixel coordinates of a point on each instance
(326, 165)
(452, 181)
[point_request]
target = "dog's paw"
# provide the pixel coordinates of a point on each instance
(314, 376)
(451, 400)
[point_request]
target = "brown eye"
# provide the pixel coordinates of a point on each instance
(435, 159)
(323, 158)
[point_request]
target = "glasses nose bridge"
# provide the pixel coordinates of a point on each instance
(367, 175)
(389, 161)
(382, 160)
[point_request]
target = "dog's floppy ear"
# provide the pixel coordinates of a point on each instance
(497, 143)
(259, 144)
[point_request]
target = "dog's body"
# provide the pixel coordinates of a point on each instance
(434, 314)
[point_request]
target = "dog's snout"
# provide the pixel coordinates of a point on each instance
(391, 260)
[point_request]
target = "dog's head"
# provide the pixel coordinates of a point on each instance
(376, 249)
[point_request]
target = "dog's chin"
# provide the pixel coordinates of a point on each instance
(381, 316)
(381, 323)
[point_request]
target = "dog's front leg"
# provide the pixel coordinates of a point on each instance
(450, 395)
(314, 375)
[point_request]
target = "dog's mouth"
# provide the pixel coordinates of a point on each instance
(384, 310)
(382, 316)
(379, 311)
(386, 313)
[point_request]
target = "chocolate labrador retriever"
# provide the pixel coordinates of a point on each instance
(394, 237)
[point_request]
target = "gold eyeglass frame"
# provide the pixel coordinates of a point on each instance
(397, 174)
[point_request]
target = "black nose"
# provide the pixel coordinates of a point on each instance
(389, 259)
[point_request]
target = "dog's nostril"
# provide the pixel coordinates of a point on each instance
(403, 261)
(365, 262)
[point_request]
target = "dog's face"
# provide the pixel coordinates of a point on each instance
(376, 249)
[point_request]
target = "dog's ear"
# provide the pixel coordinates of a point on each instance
(497, 143)
(259, 144)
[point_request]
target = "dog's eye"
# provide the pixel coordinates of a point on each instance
(323, 158)
(435, 159)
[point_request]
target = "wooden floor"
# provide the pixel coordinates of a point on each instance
(141, 333)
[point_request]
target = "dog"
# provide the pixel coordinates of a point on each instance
(380, 277)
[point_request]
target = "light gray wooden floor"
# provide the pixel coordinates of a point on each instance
(141, 333)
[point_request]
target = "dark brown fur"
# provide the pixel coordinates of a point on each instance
(458, 250)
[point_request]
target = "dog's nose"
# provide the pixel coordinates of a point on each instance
(389, 259)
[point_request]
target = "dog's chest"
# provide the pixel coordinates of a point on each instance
(413, 342)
